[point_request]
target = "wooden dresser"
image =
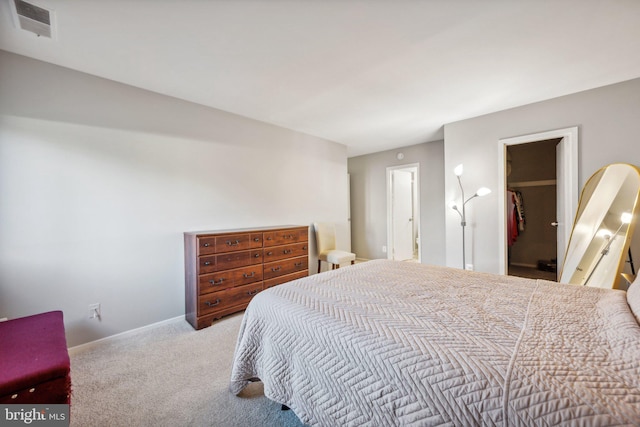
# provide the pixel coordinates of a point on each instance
(225, 269)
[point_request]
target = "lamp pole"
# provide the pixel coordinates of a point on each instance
(483, 191)
(463, 222)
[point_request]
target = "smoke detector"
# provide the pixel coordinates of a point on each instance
(33, 18)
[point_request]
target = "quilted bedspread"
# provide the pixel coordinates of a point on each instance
(387, 343)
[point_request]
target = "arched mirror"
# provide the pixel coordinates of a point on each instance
(599, 246)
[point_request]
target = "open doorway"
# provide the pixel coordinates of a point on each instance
(403, 218)
(566, 190)
(531, 210)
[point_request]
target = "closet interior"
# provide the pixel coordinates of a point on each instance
(531, 203)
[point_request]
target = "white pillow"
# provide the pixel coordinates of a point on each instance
(633, 298)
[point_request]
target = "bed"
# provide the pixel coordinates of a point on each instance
(387, 343)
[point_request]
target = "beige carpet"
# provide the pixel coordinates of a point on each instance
(170, 375)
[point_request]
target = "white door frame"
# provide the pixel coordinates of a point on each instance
(416, 219)
(569, 191)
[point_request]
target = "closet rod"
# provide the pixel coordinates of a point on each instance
(532, 183)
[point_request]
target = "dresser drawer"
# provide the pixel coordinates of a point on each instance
(222, 300)
(283, 237)
(287, 266)
(224, 269)
(228, 243)
(276, 253)
(229, 278)
(286, 278)
(213, 263)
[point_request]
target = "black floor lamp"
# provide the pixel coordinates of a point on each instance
(482, 191)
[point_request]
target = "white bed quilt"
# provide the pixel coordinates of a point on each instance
(386, 343)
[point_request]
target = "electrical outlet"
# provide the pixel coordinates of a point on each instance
(469, 267)
(384, 249)
(94, 311)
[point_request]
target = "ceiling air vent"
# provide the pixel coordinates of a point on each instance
(34, 18)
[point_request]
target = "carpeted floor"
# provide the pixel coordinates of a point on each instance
(531, 273)
(170, 375)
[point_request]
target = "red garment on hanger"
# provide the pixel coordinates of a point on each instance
(512, 218)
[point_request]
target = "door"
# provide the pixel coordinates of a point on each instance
(561, 233)
(402, 214)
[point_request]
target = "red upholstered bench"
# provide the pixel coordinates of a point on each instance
(34, 361)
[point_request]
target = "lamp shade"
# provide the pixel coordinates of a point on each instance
(483, 191)
(458, 170)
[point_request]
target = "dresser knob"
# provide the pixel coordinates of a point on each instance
(213, 304)
(230, 243)
(206, 245)
(207, 263)
(257, 239)
(219, 282)
(256, 256)
(274, 269)
(252, 292)
(287, 251)
(246, 276)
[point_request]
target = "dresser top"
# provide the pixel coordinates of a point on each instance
(244, 230)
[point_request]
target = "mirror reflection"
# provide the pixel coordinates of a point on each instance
(599, 246)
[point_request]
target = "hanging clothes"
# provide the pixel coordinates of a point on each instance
(512, 222)
(519, 210)
(515, 216)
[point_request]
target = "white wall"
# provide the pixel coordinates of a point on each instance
(608, 132)
(99, 180)
(369, 200)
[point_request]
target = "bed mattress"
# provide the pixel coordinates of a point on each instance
(391, 343)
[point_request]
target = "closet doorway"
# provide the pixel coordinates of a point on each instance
(542, 171)
(531, 210)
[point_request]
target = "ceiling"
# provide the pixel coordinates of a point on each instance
(370, 74)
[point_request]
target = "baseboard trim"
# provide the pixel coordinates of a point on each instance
(86, 346)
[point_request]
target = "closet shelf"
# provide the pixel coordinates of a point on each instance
(541, 183)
